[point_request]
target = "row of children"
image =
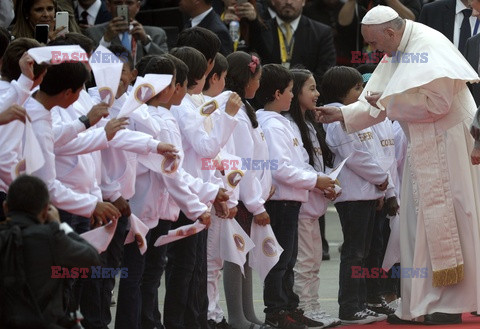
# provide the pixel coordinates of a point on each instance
(91, 156)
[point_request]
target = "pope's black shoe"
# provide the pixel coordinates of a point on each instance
(442, 318)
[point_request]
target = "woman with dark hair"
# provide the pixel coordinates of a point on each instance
(318, 155)
(243, 77)
(29, 13)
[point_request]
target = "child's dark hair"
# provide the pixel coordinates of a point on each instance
(201, 39)
(64, 76)
(28, 194)
(142, 64)
(196, 62)
(300, 76)
(238, 76)
(5, 39)
(123, 54)
(336, 83)
(274, 77)
(10, 66)
(221, 65)
(73, 38)
(181, 69)
(160, 65)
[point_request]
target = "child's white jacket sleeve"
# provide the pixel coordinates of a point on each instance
(205, 144)
(18, 93)
(61, 196)
(287, 173)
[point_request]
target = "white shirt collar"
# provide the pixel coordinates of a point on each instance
(197, 19)
(272, 12)
(293, 24)
(459, 6)
(92, 11)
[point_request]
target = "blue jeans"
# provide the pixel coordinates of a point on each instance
(155, 260)
(278, 286)
(186, 301)
(97, 293)
(357, 219)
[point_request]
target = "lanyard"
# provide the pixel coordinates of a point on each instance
(285, 50)
(134, 49)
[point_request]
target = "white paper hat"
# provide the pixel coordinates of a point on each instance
(379, 15)
(107, 72)
(58, 54)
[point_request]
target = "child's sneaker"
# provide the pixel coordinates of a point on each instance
(379, 317)
(298, 315)
(358, 318)
(320, 316)
(283, 320)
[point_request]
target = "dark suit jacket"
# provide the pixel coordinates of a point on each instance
(103, 14)
(313, 47)
(439, 15)
(472, 52)
(213, 23)
(158, 45)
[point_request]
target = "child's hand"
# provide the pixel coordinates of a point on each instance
(324, 182)
(221, 195)
(14, 112)
(262, 219)
(330, 194)
(26, 65)
(232, 212)
(221, 209)
(113, 126)
(167, 150)
(205, 219)
(383, 186)
(97, 112)
(380, 203)
(233, 104)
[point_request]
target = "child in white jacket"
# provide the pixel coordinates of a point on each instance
(293, 180)
(363, 184)
(307, 268)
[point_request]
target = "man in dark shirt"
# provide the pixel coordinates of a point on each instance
(47, 244)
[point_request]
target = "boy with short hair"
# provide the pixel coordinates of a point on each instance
(293, 179)
(215, 81)
(61, 87)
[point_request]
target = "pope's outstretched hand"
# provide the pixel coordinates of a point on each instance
(328, 114)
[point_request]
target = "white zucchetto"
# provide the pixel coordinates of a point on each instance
(379, 15)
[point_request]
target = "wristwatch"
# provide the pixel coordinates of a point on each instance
(149, 39)
(84, 119)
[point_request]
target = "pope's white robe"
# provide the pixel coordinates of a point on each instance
(443, 101)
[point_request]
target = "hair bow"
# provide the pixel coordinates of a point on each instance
(254, 63)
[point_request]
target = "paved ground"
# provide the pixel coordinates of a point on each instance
(328, 274)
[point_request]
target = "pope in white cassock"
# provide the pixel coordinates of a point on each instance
(421, 83)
